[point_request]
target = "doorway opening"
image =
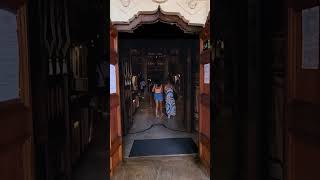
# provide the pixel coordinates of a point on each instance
(155, 54)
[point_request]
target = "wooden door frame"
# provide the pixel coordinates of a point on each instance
(299, 104)
(116, 144)
(17, 139)
(154, 18)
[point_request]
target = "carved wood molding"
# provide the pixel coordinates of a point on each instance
(158, 16)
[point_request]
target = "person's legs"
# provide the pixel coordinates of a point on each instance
(160, 107)
(157, 106)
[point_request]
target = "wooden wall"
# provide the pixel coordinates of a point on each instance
(16, 130)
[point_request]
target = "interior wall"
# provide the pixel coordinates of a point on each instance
(182, 44)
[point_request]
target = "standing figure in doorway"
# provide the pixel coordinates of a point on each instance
(170, 99)
(142, 86)
(158, 97)
(151, 96)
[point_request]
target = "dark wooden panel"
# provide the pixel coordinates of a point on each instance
(304, 158)
(304, 118)
(302, 114)
(16, 121)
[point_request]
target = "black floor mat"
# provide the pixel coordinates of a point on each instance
(170, 146)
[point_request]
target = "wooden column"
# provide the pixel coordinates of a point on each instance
(204, 109)
(115, 115)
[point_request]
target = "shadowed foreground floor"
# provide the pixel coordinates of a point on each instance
(161, 168)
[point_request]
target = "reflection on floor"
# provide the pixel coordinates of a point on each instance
(161, 168)
(145, 117)
(93, 164)
(184, 167)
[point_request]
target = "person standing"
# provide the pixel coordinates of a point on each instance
(142, 85)
(158, 97)
(151, 96)
(170, 99)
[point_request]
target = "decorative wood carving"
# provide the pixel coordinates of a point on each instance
(154, 18)
(194, 12)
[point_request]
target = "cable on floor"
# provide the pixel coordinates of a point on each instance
(153, 125)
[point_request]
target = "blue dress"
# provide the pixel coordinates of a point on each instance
(170, 103)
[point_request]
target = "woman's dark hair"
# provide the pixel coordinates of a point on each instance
(169, 80)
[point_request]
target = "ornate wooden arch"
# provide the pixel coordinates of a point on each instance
(157, 16)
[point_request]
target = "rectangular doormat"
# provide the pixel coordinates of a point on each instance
(169, 146)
